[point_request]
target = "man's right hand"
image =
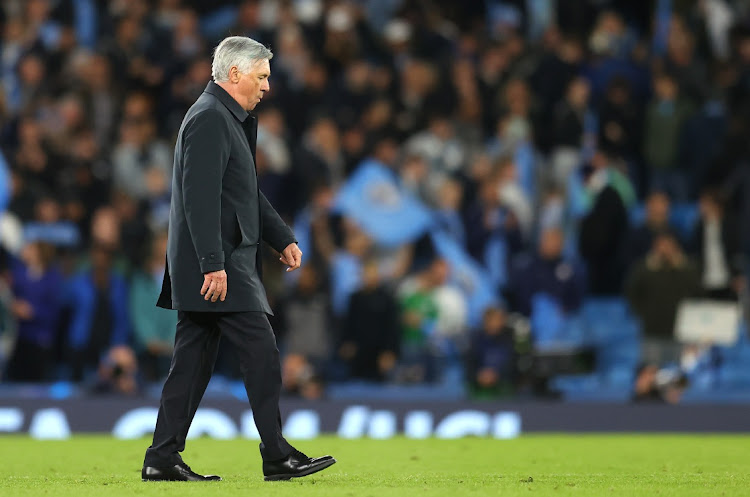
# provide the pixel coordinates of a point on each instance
(214, 286)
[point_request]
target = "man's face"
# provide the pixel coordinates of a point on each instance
(253, 84)
(657, 209)
(551, 244)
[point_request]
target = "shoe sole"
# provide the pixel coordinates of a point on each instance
(310, 471)
(167, 479)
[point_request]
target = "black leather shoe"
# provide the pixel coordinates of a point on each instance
(178, 472)
(295, 465)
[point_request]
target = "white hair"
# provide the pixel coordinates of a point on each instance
(239, 51)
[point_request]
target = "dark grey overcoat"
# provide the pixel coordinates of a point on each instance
(218, 216)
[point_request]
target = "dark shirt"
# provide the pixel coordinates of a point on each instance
(495, 352)
(45, 297)
(372, 325)
(100, 335)
(531, 275)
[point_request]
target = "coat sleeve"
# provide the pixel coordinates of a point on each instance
(275, 231)
(206, 148)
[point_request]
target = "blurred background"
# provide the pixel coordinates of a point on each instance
(500, 199)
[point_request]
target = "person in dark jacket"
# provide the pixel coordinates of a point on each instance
(603, 235)
(546, 272)
(217, 221)
(35, 284)
(716, 246)
(98, 301)
(655, 287)
(153, 327)
(641, 237)
(371, 334)
(492, 358)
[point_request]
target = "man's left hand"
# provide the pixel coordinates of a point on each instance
(291, 256)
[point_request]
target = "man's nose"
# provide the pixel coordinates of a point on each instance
(265, 86)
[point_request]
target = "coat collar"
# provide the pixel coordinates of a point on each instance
(229, 102)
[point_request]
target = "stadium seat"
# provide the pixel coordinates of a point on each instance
(552, 327)
(608, 319)
(684, 218)
(608, 325)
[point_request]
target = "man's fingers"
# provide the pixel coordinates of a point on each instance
(219, 289)
(292, 257)
(210, 290)
(287, 257)
(214, 286)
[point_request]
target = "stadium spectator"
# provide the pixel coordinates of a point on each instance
(153, 327)
(655, 287)
(499, 208)
(569, 125)
(492, 357)
(641, 237)
(547, 272)
(665, 119)
(98, 302)
(371, 331)
(307, 335)
(716, 247)
(419, 315)
(447, 213)
(36, 285)
(621, 122)
(439, 145)
(604, 230)
(142, 164)
(318, 159)
(690, 72)
(515, 201)
(117, 372)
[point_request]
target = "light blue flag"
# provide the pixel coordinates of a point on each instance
(466, 274)
(386, 211)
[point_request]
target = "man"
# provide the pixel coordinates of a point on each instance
(548, 272)
(217, 220)
(655, 287)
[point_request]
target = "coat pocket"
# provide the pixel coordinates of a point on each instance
(241, 263)
(249, 228)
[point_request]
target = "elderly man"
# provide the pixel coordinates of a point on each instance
(213, 276)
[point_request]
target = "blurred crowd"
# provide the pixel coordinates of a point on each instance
(571, 149)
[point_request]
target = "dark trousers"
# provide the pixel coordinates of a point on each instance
(196, 346)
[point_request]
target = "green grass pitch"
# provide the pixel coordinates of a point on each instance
(542, 465)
